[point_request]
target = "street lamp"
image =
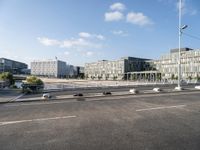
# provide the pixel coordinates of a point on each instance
(180, 28)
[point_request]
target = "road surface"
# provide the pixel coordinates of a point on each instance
(150, 122)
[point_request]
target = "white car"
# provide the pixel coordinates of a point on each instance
(133, 91)
(46, 96)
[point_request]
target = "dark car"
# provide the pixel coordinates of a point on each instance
(78, 94)
(107, 93)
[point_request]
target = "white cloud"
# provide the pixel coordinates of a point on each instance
(88, 35)
(89, 53)
(74, 43)
(48, 42)
(85, 35)
(113, 16)
(138, 19)
(118, 6)
(100, 37)
(119, 32)
(79, 43)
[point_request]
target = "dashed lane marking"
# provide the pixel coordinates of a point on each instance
(34, 120)
(164, 107)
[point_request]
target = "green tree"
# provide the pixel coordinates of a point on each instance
(34, 80)
(32, 85)
(114, 77)
(176, 78)
(158, 77)
(172, 76)
(197, 77)
(99, 77)
(7, 76)
(189, 78)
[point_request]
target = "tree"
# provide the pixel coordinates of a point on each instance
(86, 76)
(92, 77)
(158, 77)
(32, 85)
(190, 78)
(7, 76)
(99, 77)
(34, 80)
(172, 76)
(197, 77)
(114, 77)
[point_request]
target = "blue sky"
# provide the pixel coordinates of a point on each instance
(80, 31)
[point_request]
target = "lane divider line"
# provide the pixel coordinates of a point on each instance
(34, 120)
(164, 107)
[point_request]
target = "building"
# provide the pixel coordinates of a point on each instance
(49, 68)
(15, 67)
(71, 71)
(75, 71)
(167, 65)
(116, 69)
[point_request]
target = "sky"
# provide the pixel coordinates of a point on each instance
(83, 31)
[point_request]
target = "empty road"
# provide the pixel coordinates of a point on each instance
(150, 122)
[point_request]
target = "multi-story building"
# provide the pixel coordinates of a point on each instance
(49, 68)
(167, 65)
(15, 67)
(116, 69)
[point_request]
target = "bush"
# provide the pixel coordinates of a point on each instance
(34, 80)
(32, 85)
(7, 76)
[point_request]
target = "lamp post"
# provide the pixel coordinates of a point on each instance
(180, 28)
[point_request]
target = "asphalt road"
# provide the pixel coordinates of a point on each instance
(149, 122)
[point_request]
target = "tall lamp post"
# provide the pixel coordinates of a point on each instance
(180, 28)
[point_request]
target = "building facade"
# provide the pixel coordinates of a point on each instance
(49, 68)
(117, 69)
(167, 65)
(15, 67)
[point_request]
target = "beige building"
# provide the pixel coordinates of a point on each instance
(131, 68)
(190, 64)
(49, 68)
(113, 70)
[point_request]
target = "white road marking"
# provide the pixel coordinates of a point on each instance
(31, 120)
(14, 99)
(164, 107)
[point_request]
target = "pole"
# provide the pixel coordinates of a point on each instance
(179, 57)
